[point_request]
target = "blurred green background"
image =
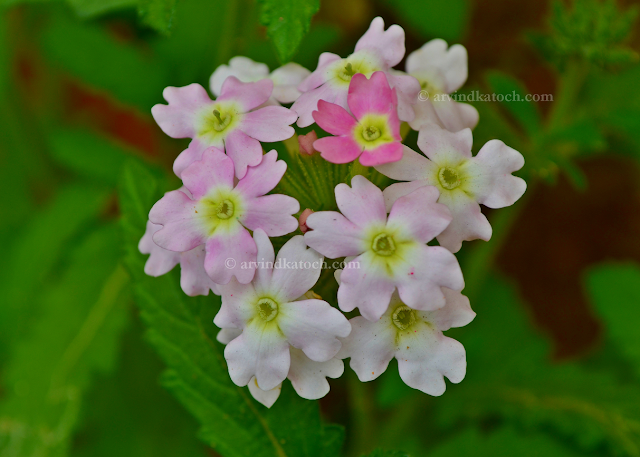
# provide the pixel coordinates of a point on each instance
(98, 360)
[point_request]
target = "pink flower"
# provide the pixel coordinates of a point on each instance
(374, 134)
(464, 181)
(390, 252)
(217, 213)
(230, 123)
(376, 50)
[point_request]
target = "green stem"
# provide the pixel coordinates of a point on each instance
(226, 43)
(570, 84)
(363, 418)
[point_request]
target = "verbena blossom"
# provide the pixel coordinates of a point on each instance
(274, 316)
(376, 50)
(218, 213)
(308, 378)
(193, 278)
(372, 133)
(441, 72)
(285, 79)
(425, 356)
(230, 123)
(464, 181)
(390, 252)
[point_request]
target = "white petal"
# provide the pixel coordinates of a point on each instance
(456, 312)
(297, 269)
(333, 235)
(456, 116)
(452, 62)
(265, 261)
(243, 68)
(266, 397)
(309, 378)
(362, 203)
(227, 335)
(161, 260)
(193, 278)
(400, 189)
(238, 301)
(286, 80)
(370, 345)
(411, 167)
(444, 147)
(468, 221)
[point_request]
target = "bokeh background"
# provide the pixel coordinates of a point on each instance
(86, 366)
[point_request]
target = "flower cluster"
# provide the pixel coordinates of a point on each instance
(406, 289)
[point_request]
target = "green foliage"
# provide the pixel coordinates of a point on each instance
(615, 292)
(433, 18)
(287, 22)
(76, 334)
(382, 453)
(90, 8)
(158, 14)
(181, 331)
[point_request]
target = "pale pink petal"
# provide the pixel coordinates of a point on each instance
(262, 178)
(215, 169)
(181, 230)
(286, 80)
(237, 308)
(426, 114)
(227, 335)
(193, 278)
(258, 352)
(387, 153)
(269, 124)
(365, 286)
(177, 118)
(491, 178)
(266, 397)
(468, 221)
(456, 116)
(370, 96)
(297, 269)
(407, 89)
(231, 254)
(248, 95)
(370, 345)
(318, 77)
(313, 326)
(362, 203)
(426, 270)
(389, 43)
(338, 149)
(307, 103)
(306, 143)
(426, 356)
(333, 118)
(265, 261)
(271, 213)
(400, 189)
(243, 150)
(444, 147)
(418, 214)
(192, 154)
(309, 378)
(333, 235)
(243, 68)
(456, 313)
(160, 260)
(452, 63)
(411, 167)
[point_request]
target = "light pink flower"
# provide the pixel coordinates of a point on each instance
(441, 72)
(273, 315)
(309, 378)
(374, 134)
(285, 79)
(230, 123)
(464, 181)
(390, 252)
(193, 278)
(218, 212)
(305, 142)
(425, 356)
(376, 50)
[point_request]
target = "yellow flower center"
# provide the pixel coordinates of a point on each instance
(267, 309)
(403, 317)
(383, 245)
(449, 178)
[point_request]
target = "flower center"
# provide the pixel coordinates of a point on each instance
(371, 133)
(221, 121)
(347, 72)
(403, 317)
(383, 244)
(449, 178)
(224, 209)
(267, 309)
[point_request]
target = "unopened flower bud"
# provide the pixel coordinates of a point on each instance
(306, 143)
(303, 220)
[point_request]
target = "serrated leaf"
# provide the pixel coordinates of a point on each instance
(158, 14)
(287, 22)
(180, 329)
(615, 292)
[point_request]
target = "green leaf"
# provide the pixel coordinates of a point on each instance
(615, 292)
(180, 329)
(287, 22)
(158, 14)
(91, 8)
(434, 18)
(382, 453)
(79, 319)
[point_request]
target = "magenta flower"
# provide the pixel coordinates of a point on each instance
(228, 123)
(217, 213)
(374, 133)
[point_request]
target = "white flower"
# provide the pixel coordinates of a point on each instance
(415, 339)
(464, 181)
(272, 319)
